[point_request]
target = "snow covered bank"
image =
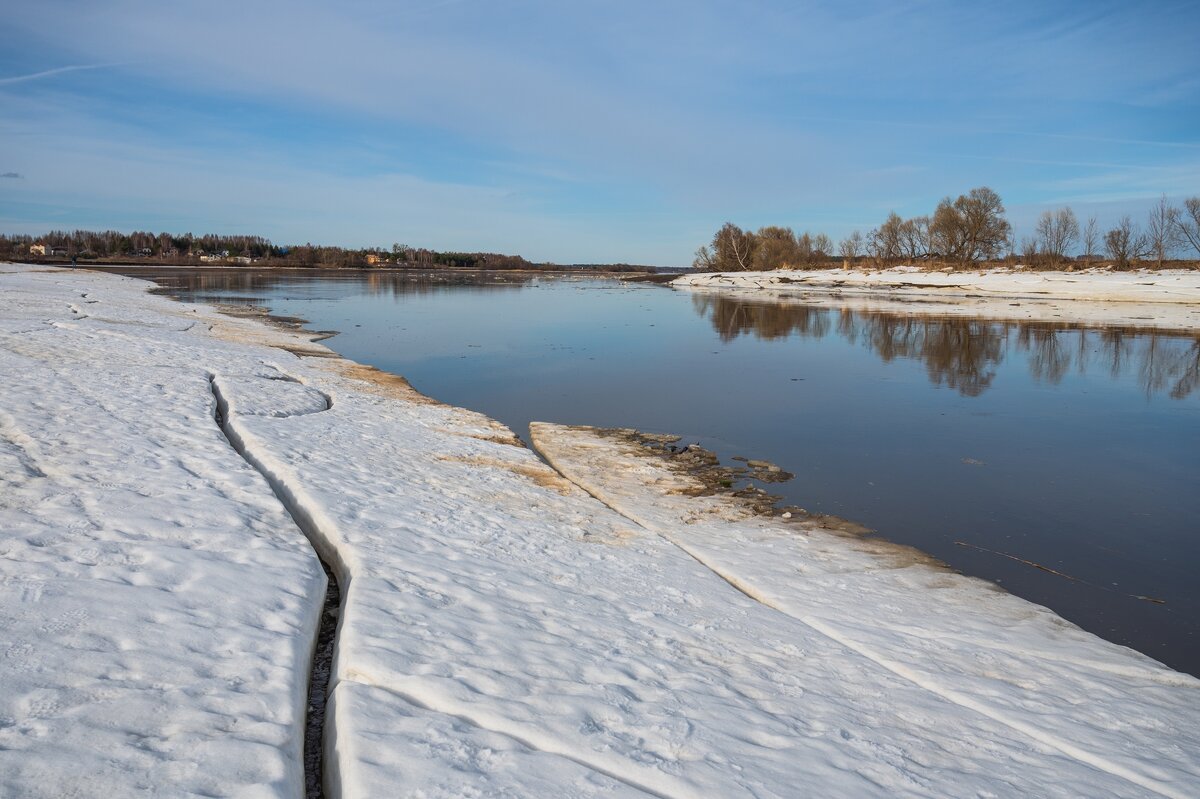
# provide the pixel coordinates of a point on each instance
(156, 607)
(1168, 299)
(961, 639)
(502, 632)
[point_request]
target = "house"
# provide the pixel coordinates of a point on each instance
(373, 259)
(37, 249)
(58, 252)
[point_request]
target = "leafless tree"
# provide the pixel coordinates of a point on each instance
(1029, 251)
(822, 247)
(1188, 222)
(804, 247)
(914, 237)
(1126, 243)
(971, 227)
(984, 228)
(776, 249)
(946, 231)
(1057, 232)
(851, 246)
(1091, 238)
(1162, 230)
(884, 241)
(732, 250)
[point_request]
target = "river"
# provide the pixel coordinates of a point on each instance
(1060, 462)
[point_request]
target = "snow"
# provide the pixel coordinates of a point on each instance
(1164, 299)
(502, 632)
(156, 608)
(959, 638)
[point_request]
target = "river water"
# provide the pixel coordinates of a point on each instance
(1060, 462)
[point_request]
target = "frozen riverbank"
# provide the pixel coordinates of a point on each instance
(1168, 299)
(501, 631)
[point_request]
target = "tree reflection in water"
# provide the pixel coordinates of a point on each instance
(963, 353)
(257, 285)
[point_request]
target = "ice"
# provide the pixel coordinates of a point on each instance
(502, 632)
(956, 637)
(157, 606)
(1163, 300)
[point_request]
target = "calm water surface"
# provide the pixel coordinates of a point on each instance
(1075, 449)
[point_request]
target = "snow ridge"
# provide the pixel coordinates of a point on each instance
(325, 536)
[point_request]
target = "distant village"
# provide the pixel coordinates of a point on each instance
(111, 247)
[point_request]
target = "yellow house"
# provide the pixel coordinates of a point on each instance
(372, 258)
(37, 249)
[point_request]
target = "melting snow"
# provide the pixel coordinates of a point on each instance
(502, 633)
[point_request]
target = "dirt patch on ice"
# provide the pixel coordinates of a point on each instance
(379, 382)
(537, 472)
(709, 477)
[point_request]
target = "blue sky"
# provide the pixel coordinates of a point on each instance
(585, 131)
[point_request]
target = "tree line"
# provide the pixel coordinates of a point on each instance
(969, 229)
(186, 248)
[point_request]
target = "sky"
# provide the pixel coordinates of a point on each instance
(585, 131)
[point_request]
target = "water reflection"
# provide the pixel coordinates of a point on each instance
(236, 285)
(964, 354)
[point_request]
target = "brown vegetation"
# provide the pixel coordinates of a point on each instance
(967, 232)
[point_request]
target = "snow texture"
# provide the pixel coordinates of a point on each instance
(1162, 300)
(502, 633)
(157, 606)
(982, 650)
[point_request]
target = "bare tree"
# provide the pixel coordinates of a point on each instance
(1091, 238)
(971, 227)
(822, 247)
(946, 231)
(914, 237)
(884, 241)
(732, 250)
(1029, 251)
(776, 249)
(1126, 243)
(804, 247)
(1057, 232)
(1188, 222)
(984, 228)
(851, 246)
(1162, 232)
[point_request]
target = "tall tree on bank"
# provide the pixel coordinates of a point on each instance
(732, 250)
(985, 230)
(1091, 238)
(885, 240)
(776, 248)
(914, 238)
(1188, 222)
(851, 247)
(1126, 243)
(1057, 232)
(1162, 230)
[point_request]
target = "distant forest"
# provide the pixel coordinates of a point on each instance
(969, 230)
(110, 246)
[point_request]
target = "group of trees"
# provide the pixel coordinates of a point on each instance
(188, 248)
(970, 229)
(734, 249)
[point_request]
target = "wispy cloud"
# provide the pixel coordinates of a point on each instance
(13, 175)
(47, 73)
(546, 127)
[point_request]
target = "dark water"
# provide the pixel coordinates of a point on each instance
(1077, 450)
